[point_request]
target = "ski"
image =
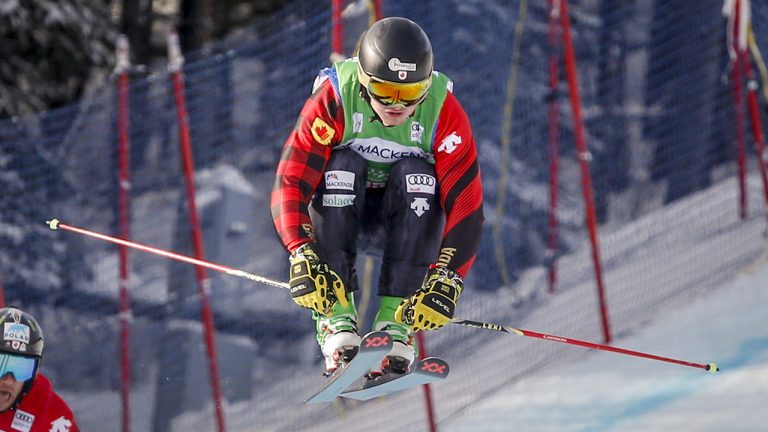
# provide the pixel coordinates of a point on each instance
(428, 370)
(373, 348)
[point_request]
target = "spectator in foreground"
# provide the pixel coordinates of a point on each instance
(28, 402)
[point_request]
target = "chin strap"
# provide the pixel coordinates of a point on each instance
(367, 98)
(26, 388)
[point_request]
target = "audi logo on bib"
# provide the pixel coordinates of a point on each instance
(420, 179)
(420, 183)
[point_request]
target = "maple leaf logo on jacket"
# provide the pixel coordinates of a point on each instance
(322, 132)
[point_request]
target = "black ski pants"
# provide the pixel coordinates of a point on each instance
(403, 221)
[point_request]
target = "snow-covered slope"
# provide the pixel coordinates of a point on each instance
(608, 392)
(677, 257)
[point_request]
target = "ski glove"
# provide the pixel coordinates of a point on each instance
(432, 306)
(312, 283)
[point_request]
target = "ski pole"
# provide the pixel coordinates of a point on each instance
(711, 367)
(55, 224)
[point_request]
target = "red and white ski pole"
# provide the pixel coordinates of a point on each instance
(55, 224)
(711, 367)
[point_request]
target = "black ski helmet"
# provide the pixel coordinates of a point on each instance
(21, 334)
(396, 50)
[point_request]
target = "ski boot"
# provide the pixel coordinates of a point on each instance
(337, 335)
(403, 352)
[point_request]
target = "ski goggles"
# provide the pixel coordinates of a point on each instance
(22, 368)
(390, 93)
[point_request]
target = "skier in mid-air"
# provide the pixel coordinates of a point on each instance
(382, 152)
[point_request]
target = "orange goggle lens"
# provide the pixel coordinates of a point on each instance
(398, 93)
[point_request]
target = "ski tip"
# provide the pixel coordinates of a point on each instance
(433, 366)
(53, 224)
(376, 341)
(712, 367)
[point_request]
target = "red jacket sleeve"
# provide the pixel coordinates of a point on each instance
(461, 193)
(305, 155)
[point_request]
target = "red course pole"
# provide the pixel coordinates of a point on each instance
(428, 402)
(175, 62)
(554, 140)
(124, 223)
(738, 106)
(581, 147)
(337, 28)
(754, 111)
(757, 128)
(377, 10)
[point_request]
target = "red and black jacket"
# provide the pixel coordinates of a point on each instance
(304, 160)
